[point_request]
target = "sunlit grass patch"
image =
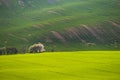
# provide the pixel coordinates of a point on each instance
(85, 65)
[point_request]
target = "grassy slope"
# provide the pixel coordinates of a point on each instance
(23, 26)
(83, 65)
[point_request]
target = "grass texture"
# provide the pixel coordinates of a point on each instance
(81, 65)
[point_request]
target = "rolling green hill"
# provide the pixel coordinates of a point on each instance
(61, 24)
(82, 65)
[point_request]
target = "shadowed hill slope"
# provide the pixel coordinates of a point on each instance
(60, 23)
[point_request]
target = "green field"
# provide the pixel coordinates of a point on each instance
(82, 65)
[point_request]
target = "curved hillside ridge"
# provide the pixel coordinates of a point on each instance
(85, 33)
(117, 24)
(97, 33)
(25, 4)
(29, 3)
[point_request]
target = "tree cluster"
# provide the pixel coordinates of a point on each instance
(35, 48)
(8, 50)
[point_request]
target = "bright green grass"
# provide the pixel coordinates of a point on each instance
(82, 65)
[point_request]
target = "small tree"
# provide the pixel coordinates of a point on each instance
(36, 48)
(2, 51)
(11, 50)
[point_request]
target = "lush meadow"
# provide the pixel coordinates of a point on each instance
(81, 65)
